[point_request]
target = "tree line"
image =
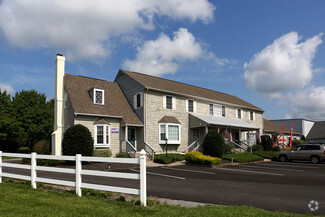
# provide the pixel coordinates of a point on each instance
(25, 119)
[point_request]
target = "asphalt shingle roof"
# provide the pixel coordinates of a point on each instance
(317, 131)
(271, 127)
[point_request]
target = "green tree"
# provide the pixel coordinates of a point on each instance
(214, 145)
(267, 142)
(34, 114)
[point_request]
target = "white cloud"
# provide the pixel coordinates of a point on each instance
(308, 103)
(82, 29)
(163, 55)
(284, 65)
(7, 87)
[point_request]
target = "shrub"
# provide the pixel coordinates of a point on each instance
(24, 150)
(297, 142)
(199, 158)
(77, 139)
(257, 148)
(42, 147)
(122, 155)
(243, 157)
(267, 142)
(214, 144)
(102, 152)
(276, 148)
(170, 158)
(303, 138)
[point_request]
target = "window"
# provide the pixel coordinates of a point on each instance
(215, 110)
(169, 102)
(102, 135)
(239, 115)
(99, 96)
(138, 100)
(190, 105)
(223, 111)
(251, 115)
(65, 100)
(171, 132)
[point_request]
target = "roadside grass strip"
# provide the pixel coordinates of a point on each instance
(185, 170)
(21, 200)
(270, 168)
(159, 174)
(249, 171)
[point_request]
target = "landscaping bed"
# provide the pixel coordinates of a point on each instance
(242, 157)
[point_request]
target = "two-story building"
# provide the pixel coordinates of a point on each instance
(140, 110)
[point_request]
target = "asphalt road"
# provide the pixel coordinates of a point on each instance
(271, 186)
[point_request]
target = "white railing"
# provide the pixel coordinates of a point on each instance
(78, 171)
(150, 151)
(130, 149)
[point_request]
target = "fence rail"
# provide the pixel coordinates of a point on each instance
(78, 171)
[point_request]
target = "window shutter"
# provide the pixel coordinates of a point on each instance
(174, 103)
(186, 104)
(194, 106)
(135, 101)
(164, 102)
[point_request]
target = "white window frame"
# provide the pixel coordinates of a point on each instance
(223, 111)
(165, 102)
(214, 110)
(135, 100)
(250, 115)
(103, 96)
(241, 113)
(106, 128)
(170, 141)
(187, 105)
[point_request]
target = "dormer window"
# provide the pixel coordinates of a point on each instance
(98, 96)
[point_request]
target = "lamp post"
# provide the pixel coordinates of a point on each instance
(166, 142)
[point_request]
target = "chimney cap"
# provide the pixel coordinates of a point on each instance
(59, 55)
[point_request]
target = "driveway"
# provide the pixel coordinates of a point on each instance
(271, 186)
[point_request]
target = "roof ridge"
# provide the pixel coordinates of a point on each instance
(82, 76)
(177, 82)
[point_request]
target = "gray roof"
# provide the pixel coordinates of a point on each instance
(317, 131)
(223, 121)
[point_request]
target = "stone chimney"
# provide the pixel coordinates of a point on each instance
(57, 135)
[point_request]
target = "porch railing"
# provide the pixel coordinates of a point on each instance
(150, 151)
(242, 146)
(130, 149)
(194, 146)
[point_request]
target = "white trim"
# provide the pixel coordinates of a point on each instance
(250, 115)
(106, 128)
(170, 141)
(135, 136)
(103, 96)
(187, 105)
(165, 102)
(135, 100)
(217, 109)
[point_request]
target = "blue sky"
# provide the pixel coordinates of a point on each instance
(269, 53)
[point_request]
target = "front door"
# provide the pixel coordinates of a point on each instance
(131, 136)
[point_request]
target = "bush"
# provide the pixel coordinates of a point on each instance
(199, 158)
(303, 138)
(24, 150)
(214, 144)
(276, 148)
(42, 147)
(257, 148)
(266, 154)
(297, 142)
(170, 158)
(77, 139)
(267, 142)
(122, 155)
(102, 152)
(243, 157)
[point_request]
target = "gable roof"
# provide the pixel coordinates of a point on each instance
(116, 104)
(317, 131)
(272, 127)
(166, 85)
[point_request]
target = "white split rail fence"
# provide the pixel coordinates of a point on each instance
(78, 171)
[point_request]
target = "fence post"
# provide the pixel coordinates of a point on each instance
(33, 170)
(78, 175)
(0, 166)
(143, 178)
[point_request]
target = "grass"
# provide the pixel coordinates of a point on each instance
(8, 158)
(243, 157)
(22, 200)
(266, 154)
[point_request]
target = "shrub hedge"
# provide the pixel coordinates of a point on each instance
(214, 145)
(77, 139)
(199, 158)
(257, 148)
(297, 142)
(267, 142)
(102, 152)
(266, 154)
(122, 155)
(170, 158)
(243, 157)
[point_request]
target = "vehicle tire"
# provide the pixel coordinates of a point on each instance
(283, 158)
(314, 159)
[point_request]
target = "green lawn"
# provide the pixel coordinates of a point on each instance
(243, 157)
(22, 200)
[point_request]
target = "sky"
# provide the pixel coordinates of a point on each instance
(269, 53)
